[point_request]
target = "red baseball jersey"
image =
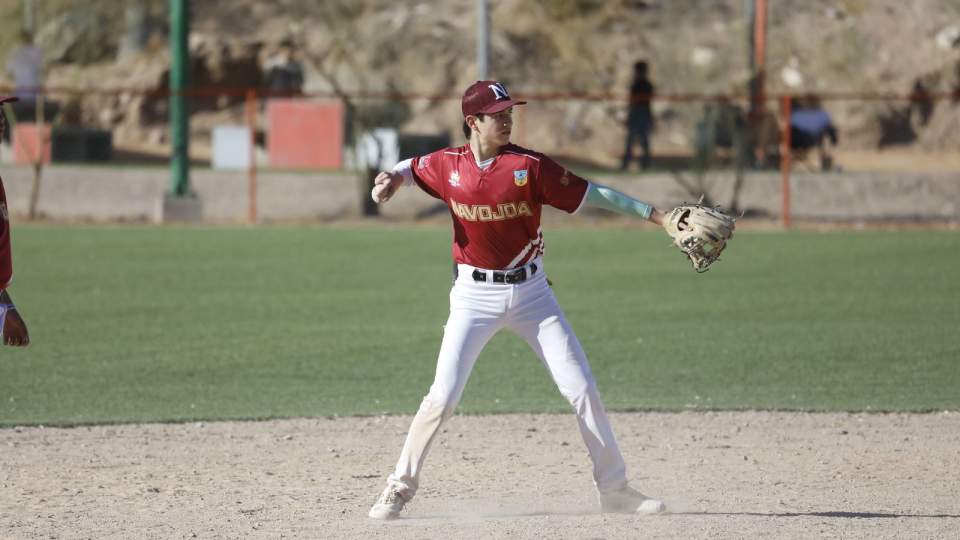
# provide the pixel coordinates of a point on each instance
(496, 211)
(6, 261)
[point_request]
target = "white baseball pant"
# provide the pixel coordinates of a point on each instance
(477, 311)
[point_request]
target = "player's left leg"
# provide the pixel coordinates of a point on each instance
(539, 319)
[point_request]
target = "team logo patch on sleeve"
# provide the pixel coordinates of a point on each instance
(520, 178)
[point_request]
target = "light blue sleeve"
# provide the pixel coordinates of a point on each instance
(601, 196)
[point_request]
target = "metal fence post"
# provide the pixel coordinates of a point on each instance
(785, 158)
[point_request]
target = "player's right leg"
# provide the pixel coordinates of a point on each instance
(475, 316)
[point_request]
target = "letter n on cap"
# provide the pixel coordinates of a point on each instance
(499, 91)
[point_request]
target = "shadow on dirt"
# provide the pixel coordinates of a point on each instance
(829, 514)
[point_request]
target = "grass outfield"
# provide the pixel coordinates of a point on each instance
(147, 324)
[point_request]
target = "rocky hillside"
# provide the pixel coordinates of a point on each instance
(426, 50)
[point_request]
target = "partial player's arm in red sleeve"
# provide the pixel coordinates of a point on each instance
(14, 330)
(6, 257)
(419, 170)
(428, 173)
(559, 187)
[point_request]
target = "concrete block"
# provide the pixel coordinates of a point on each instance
(178, 209)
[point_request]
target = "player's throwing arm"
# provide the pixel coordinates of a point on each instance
(386, 184)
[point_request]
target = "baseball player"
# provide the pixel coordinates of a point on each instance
(13, 328)
(496, 191)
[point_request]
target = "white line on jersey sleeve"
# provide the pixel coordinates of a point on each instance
(535, 158)
(583, 201)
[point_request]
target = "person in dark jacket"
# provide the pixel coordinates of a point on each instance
(639, 116)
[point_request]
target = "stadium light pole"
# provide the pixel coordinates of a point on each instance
(757, 50)
(179, 204)
(179, 125)
(483, 38)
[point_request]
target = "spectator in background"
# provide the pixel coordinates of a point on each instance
(812, 127)
(284, 71)
(639, 116)
(25, 65)
(922, 102)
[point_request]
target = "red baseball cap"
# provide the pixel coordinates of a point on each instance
(486, 97)
(5, 99)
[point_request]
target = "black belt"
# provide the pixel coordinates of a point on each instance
(517, 275)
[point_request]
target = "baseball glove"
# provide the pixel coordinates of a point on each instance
(700, 232)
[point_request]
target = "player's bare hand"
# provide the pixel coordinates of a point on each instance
(385, 185)
(15, 330)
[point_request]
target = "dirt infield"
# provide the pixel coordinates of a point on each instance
(724, 475)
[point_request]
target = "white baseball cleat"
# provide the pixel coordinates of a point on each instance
(629, 501)
(388, 505)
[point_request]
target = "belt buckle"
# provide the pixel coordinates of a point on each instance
(517, 276)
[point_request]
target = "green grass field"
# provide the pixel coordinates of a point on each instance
(166, 324)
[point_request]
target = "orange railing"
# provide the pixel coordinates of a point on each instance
(784, 102)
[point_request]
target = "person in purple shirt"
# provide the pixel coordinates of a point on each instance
(812, 127)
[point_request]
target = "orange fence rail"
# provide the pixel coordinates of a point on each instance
(242, 92)
(251, 97)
